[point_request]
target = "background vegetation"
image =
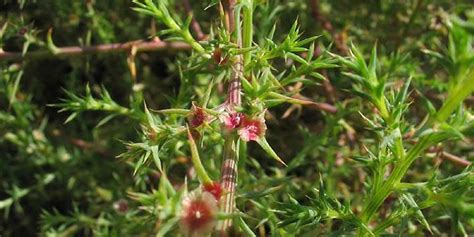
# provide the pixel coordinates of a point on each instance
(96, 174)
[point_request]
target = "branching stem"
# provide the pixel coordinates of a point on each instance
(73, 51)
(380, 193)
(234, 99)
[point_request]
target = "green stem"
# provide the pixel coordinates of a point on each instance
(173, 111)
(191, 41)
(400, 150)
(463, 90)
(382, 106)
(200, 171)
(247, 29)
(163, 15)
(394, 179)
(375, 201)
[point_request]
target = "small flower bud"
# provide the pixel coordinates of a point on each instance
(197, 116)
(217, 55)
(23, 31)
(121, 206)
(214, 188)
(199, 213)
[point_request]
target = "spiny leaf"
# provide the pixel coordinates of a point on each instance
(262, 141)
(200, 171)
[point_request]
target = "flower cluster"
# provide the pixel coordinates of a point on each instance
(232, 120)
(249, 129)
(199, 208)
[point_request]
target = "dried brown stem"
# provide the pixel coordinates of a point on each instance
(229, 6)
(83, 144)
(455, 159)
(315, 105)
(140, 45)
(194, 23)
(329, 88)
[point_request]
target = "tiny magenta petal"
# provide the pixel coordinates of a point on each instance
(199, 210)
(232, 120)
(214, 188)
(252, 129)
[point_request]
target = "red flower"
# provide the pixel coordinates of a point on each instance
(197, 116)
(232, 120)
(217, 55)
(214, 188)
(252, 129)
(199, 213)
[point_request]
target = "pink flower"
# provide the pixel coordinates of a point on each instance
(199, 213)
(197, 116)
(252, 129)
(232, 120)
(214, 188)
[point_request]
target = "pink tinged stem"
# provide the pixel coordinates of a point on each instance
(235, 88)
(140, 46)
(230, 159)
(228, 181)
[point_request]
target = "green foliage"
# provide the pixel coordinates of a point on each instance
(359, 122)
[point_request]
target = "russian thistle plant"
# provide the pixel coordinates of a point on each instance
(376, 158)
(256, 82)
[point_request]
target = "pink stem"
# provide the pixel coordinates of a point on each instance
(140, 45)
(230, 159)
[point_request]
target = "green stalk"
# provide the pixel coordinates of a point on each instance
(395, 177)
(191, 41)
(463, 90)
(200, 171)
(375, 201)
(384, 112)
(399, 149)
(382, 107)
(173, 111)
(162, 14)
(247, 29)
